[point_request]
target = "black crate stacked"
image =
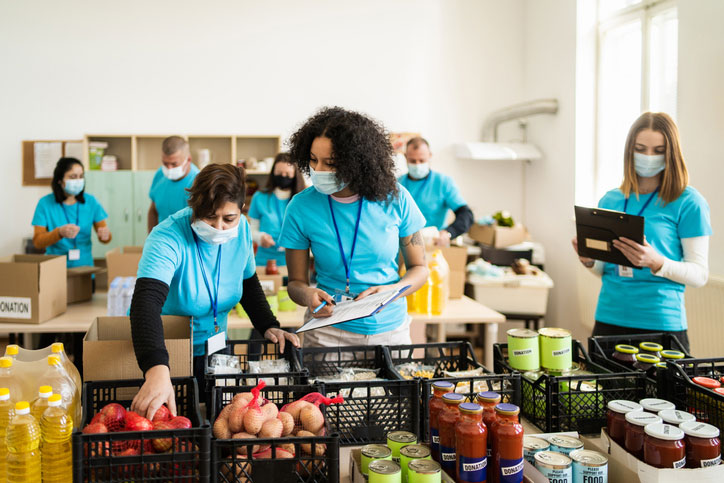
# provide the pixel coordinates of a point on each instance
(94, 455)
(229, 466)
(704, 403)
(372, 408)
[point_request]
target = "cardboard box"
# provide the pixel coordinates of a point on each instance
(102, 276)
(80, 283)
(498, 236)
(123, 263)
(108, 349)
(511, 293)
(32, 288)
(456, 258)
(270, 283)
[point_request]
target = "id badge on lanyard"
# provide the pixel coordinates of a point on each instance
(626, 271)
(74, 253)
(339, 295)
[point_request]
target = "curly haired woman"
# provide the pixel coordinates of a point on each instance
(355, 219)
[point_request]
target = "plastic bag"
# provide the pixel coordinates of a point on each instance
(269, 366)
(411, 370)
(224, 364)
(296, 408)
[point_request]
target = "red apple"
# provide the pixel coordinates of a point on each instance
(162, 414)
(181, 422)
(95, 428)
(161, 445)
(113, 415)
(139, 423)
(97, 448)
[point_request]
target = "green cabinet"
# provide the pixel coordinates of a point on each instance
(141, 186)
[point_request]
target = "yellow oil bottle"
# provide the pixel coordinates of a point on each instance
(23, 440)
(40, 404)
(56, 377)
(56, 428)
(7, 411)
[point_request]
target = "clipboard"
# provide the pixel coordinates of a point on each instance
(596, 229)
(355, 309)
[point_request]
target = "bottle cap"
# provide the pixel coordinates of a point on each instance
(642, 418)
(22, 407)
(623, 406)
(6, 362)
(12, 350)
(45, 391)
(672, 416)
(471, 408)
(55, 400)
(453, 398)
(651, 347)
(627, 349)
(699, 430)
(57, 347)
(4, 393)
(664, 431)
(654, 405)
(507, 409)
(672, 355)
(53, 360)
(647, 358)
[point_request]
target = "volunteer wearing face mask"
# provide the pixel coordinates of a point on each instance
(63, 220)
(198, 263)
(435, 193)
(355, 219)
(168, 188)
(676, 230)
(266, 212)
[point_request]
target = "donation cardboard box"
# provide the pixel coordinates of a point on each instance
(80, 283)
(32, 288)
(498, 236)
(271, 283)
(108, 348)
(123, 263)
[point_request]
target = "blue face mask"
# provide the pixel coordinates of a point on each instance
(326, 182)
(74, 186)
(418, 171)
(649, 165)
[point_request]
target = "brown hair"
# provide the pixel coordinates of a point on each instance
(298, 184)
(173, 144)
(416, 142)
(215, 185)
(675, 176)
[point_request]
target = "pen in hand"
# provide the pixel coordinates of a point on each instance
(318, 308)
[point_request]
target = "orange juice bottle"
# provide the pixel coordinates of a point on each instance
(439, 281)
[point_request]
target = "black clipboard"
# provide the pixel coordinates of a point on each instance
(596, 229)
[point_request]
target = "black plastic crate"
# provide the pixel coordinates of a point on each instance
(189, 458)
(452, 356)
(706, 404)
(573, 403)
(230, 467)
(371, 409)
(601, 347)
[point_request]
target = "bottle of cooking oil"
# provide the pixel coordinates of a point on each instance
(439, 281)
(8, 378)
(59, 350)
(40, 404)
(7, 411)
(23, 440)
(56, 427)
(11, 351)
(56, 377)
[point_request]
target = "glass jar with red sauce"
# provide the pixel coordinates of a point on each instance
(488, 400)
(703, 448)
(636, 421)
(448, 417)
(664, 446)
(435, 405)
(271, 267)
(506, 463)
(625, 354)
(471, 444)
(616, 418)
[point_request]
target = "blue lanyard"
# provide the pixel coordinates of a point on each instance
(653, 195)
(279, 209)
(77, 219)
(214, 299)
(347, 266)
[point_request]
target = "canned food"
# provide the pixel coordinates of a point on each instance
(523, 350)
(589, 466)
(564, 444)
(554, 466)
(384, 471)
(532, 446)
(410, 453)
(424, 471)
(555, 348)
(396, 440)
(373, 452)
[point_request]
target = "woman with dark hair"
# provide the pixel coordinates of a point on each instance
(198, 263)
(356, 219)
(266, 212)
(63, 220)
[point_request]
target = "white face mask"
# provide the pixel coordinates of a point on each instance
(649, 165)
(74, 186)
(326, 182)
(174, 174)
(211, 235)
(418, 171)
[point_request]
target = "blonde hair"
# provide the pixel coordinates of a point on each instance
(675, 178)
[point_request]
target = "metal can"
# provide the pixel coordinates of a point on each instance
(556, 353)
(589, 466)
(531, 446)
(373, 452)
(424, 471)
(396, 440)
(523, 350)
(410, 453)
(554, 466)
(564, 444)
(384, 471)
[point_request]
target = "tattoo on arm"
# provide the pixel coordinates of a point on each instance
(415, 240)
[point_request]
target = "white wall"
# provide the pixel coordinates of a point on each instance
(433, 66)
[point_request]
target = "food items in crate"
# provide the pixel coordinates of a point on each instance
(447, 419)
(507, 445)
(651, 348)
(616, 418)
(644, 362)
(556, 352)
(355, 374)
(268, 366)
(463, 387)
(224, 364)
(671, 355)
(436, 404)
(412, 370)
(636, 421)
(471, 444)
(523, 349)
(459, 374)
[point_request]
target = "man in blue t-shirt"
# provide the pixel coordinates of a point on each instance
(168, 190)
(434, 193)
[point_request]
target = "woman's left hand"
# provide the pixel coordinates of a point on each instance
(104, 233)
(640, 255)
(279, 336)
(377, 289)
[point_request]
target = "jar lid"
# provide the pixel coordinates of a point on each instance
(651, 346)
(471, 408)
(384, 467)
(699, 430)
(623, 406)
(551, 458)
(647, 358)
(588, 457)
(664, 431)
(642, 418)
(669, 354)
(424, 467)
(415, 451)
(674, 416)
(719, 390)
(443, 385)
(707, 382)
(563, 441)
(453, 398)
(507, 409)
(554, 332)
(488, 396)
(627, 349)
(655, 405)
(522, 333)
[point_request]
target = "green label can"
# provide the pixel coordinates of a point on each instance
(373, 452)
(412, 452)
(424, 471)
(556, 352)
(396, 440)
(286, 304)
(523, 349)
(589, 466)
(384, 471)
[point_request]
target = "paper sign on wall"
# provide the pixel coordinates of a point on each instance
(16, 307)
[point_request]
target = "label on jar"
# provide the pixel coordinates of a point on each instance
(681, 463)
(511, 471)
(556, 475)
(523, 352)
(712, 462)
(472, 469)
(435, 433)
(561, 352)
(447, 458)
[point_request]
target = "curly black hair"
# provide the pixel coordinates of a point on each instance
(361, 149)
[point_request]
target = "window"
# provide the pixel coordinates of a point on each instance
(636, 72)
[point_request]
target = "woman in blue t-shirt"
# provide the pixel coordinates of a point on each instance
(677, 227)
(356, 219)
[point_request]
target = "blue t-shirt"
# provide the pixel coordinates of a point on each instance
(647, 301)
(308, 224)
(435, 194)
(269, 210)
(52, 214)
(171, 196)
(170, 255)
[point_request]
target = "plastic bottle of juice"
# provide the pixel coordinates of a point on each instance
(23, 440)
(56, 428)
(7, 411)
(439, 281)
(11, 351)
(59, 350)
(422, 298)
(8, 379)
(40, 404)
(56, 377)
